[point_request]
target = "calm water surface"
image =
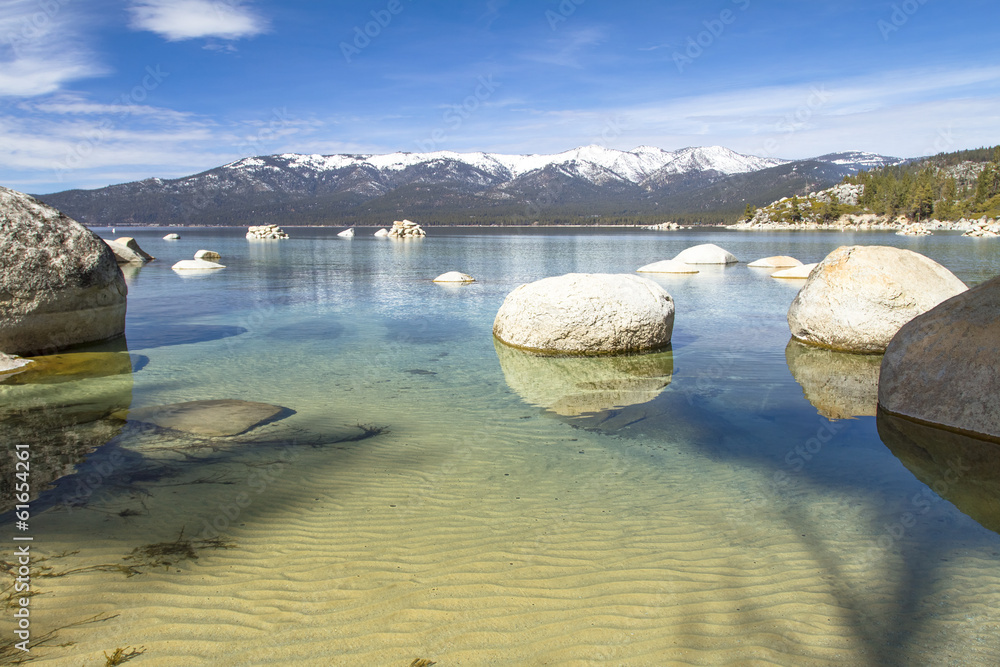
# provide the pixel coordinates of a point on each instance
(435, 496)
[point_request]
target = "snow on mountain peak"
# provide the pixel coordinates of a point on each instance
(594, 162)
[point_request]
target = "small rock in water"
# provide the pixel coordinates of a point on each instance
(667, 266)
(209, 255)
(266, 233)
(776, 262)
(196, 265)
(454, 277)
(210, 418)
(796, 272)
(172, 237)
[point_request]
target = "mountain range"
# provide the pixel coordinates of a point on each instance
(586, 184)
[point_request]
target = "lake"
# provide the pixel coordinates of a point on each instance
(428, 494)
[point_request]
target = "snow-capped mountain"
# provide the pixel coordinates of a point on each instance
(859, 160)
(319, 189)
(590, 162)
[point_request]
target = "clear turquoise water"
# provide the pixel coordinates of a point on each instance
(354, 332)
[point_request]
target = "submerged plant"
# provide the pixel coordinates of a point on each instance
(123, 655)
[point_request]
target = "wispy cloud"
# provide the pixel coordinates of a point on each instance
(566, 49)
(41, 48)
(177, 20)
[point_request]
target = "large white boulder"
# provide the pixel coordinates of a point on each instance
(942, 366)
(59, 282)
(667, 266)
(587, 314)
(706, 253)
(859, 297)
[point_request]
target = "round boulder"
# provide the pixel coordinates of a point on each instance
(942, 366)
(587, 314)
(858, 297)
(706, 253)
(59, 282)
(208, 255)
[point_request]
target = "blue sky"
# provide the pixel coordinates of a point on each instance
(94, 92)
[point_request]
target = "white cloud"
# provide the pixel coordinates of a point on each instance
(177, 20)
(41, 49)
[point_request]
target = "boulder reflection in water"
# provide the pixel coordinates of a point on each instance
(840, 385)
(573, 386)
(961, 469)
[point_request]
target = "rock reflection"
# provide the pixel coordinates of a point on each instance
(61, 407)
(572, 386)
(959, 468)
(840, 385)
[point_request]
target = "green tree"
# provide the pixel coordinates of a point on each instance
(749, 212)
(796, 212)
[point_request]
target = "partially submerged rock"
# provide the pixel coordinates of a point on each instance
(454, 277)
(59, 282)
(196, 265)
(382, 233)
(212, 418)
(796, 272)
(266, 233)
(859, 297)
(839, 385)
(573, 386)
(62, 406)
(127, 251)
(406, 229)
(942, 367)
(776, 262)
(172, 237)
(667, 266)
(12, 364)
(706, 253)
(587, 314)
(208, 255)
